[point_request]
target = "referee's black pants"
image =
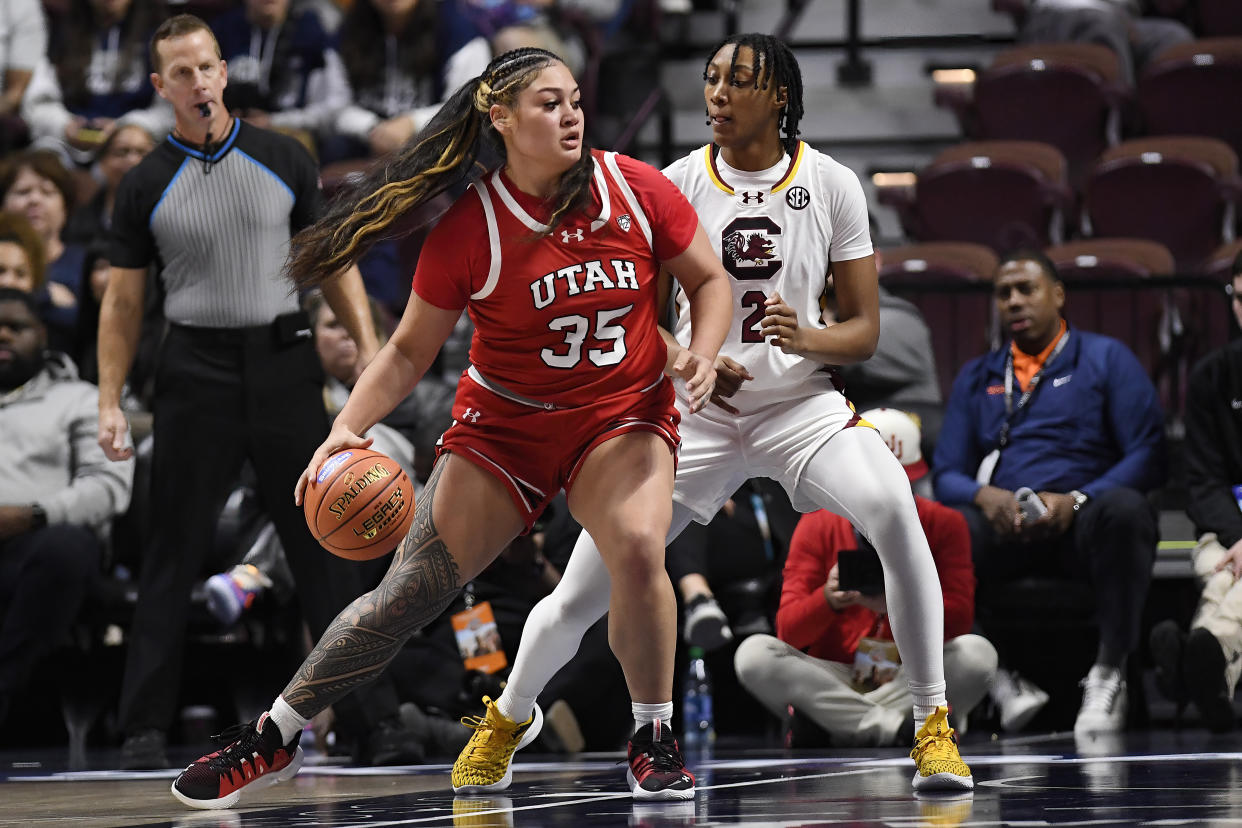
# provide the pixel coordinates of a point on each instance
(222, 396)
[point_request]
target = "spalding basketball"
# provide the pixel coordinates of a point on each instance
(360, 505)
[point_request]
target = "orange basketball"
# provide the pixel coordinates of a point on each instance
(360, 505)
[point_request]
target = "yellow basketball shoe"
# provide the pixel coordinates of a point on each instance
(484, 764)
(938, 765)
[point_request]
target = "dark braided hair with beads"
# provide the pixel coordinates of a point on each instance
(773, 63)
(441, 155)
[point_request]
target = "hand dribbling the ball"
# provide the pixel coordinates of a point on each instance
(339, 438)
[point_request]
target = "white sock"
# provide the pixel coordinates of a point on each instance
(287, 719)
(645, 714)
(927, 697)
(513, 707)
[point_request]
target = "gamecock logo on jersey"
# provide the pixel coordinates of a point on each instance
(748, 248)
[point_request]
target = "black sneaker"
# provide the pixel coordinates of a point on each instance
(144, 750)
(656, 768)
(706, 625)
(1167, 641)
(1203, 669)
(393, 743)
(253, 758)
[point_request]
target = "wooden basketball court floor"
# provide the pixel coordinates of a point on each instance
(1153, 778)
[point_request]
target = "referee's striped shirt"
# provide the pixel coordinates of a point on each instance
(218, 226)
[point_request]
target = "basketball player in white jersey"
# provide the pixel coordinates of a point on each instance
(782, 216)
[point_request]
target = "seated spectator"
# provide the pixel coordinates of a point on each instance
(739, 555)
(429, 49)
(901, 374)
(23, 43)
(95, 77)
(21, 256)
(834, 659)
(137, 396)
(1071, 415)
(34, 184)
(283, 72)
(339, 355)
(118, 154)
(57, 492)
(1205, 665)
(1122, 25)
(516, 24)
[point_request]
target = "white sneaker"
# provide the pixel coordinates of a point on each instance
(1103, 702)
(706, 624)
(1017, 698)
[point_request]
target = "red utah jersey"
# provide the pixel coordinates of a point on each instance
(567, 317)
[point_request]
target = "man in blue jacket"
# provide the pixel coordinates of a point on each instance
(1072, 416)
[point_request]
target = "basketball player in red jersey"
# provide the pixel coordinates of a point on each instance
(781, 217)
(556, 255)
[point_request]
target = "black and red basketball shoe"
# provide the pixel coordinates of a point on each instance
(253, 758)
(657, 769)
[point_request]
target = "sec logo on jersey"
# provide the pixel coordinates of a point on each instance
(798, 197)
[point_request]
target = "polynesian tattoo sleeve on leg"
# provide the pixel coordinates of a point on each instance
(421, 582)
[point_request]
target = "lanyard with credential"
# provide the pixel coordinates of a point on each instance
(1011, 411)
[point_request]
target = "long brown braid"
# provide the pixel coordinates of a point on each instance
(443, 154)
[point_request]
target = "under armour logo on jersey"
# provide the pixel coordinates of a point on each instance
(472, 414)
(567, 236)
(798, 198)
(623, 221)
(751, 197)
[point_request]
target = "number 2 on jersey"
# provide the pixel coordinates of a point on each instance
(577, 327)
(752, 325)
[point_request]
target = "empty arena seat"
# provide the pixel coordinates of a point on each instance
(1194, 88)
(1002, 194)
(947, 282)
(1173, 190)
(1219, 18)
(1063, 94)
(1220, 263)
(1137, 315)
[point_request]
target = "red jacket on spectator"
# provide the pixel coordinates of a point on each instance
(806, 621)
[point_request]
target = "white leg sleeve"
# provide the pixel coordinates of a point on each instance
(555, 627)
(856, 476)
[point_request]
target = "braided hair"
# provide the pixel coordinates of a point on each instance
(443, 154)
(773, 64)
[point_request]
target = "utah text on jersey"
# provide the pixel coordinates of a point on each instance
(585, 277)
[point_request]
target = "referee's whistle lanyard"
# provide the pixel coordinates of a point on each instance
(1011, 410)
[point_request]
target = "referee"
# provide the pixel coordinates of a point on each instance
(215, 205)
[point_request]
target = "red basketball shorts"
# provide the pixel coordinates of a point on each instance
(535, 451)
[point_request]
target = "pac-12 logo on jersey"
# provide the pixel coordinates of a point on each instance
(748, 248)
(567, 236)
(623, 221)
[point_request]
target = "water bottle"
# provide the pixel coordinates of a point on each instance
(697, 721)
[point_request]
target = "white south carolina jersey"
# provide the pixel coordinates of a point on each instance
(776, 231)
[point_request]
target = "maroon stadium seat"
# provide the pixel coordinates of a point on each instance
(1002, 194)
(1063, 94)
(1195, 88)
(1219, 18)
(931, 276)
(1136, 316)
(1171, 190)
